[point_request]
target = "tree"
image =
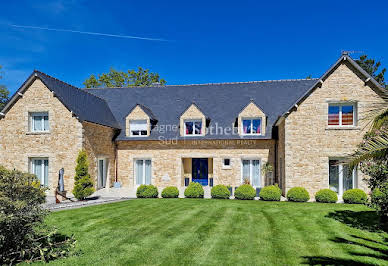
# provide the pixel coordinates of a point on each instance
(118, 79)
(83, 186)
(4, 93)
(372, 67)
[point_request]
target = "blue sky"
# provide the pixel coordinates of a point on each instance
(207, 41)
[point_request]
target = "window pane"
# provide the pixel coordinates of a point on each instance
(37, 167)
(46, 164)
(198, 128)
(246, 170)
(135, 132)
(226, 162)
(189, 128)
(46, 123)
(256, 173)
(256, 126)
(334, 115)
(247, 126)
(148, 172)
(139, 172)
(37, 123)
(348, 177)
(143, 132)
(334, 175)
(347, 115)
(138, 125)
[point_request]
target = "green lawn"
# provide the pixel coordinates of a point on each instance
(229, 232)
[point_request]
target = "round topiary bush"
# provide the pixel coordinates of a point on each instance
(147, 191)
(354, 196)
(270, 193)
(326, 196)
(220, 192)
(170, 192)
(298, 194)
(194, 190)
(245, 192)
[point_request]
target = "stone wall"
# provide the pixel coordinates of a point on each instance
(167, 159)
(60, 145)
(309, 142)
(98, 144)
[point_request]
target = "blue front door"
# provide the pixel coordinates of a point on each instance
(200, 171)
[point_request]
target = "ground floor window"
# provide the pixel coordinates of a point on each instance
(251, 172)
(143, 171)
(102, 172)
(39, 167)
(341, 178)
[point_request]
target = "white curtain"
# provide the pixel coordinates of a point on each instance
(37, 123)
(139, 172)
(46, 164)
(256, 173)
(38, 169)
(147, 172)
(246, 170)
(46, 123)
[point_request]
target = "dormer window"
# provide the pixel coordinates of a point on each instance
(251, 126)
(193, 127)
(138, 128)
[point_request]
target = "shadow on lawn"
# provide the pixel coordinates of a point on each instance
(364, 220)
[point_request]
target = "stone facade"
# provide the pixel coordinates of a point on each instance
(308, 140)
(171, 163)
(60, 145)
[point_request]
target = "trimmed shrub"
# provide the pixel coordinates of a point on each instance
(245, 192)
(326, 196)
(220, 192)
(298, 194)
(147, 191)
(83, 185)
(270, 193)
(170, 192)
(194, 190)
(379, 199)
(354, 196)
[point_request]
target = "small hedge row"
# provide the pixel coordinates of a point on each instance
(247, 192)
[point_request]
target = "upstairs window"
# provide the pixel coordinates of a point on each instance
(341, 115)
(138, 128)
(193, 127)
(251, 126)
(39, 122)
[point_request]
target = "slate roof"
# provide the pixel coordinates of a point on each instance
(221, 102)
(86, 106)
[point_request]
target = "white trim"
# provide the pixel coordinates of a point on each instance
(193, 121)
(43, 114)
(340, 105)
(251, 118)
(33, 165)
(144, 177)
(226, 166)
(250, 159)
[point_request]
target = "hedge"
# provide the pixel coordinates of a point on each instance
(354, 196)
(270, 193)
(245, 192)
(220, 192)
(170, 192)
(147, 191)
(298, 194)
(194, 190)
(326, 196)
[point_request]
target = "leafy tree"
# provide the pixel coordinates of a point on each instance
(118, 79)
(4, 93)
(83, 186)
(372, 67)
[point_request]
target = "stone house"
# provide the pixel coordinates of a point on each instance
(289, 132)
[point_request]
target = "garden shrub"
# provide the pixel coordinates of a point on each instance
(147, 191)
(220, 192)
(170, 192)
(245, 192)
(270, 193)
(23, 234)
(83, 185)
(379, 199)
(194, 190)
(298, 194)
(354, 196)
(326, 196)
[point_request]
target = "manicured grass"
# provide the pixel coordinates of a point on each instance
(223, 232)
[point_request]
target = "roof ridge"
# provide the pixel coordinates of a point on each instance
(204, 84)
(68, 84)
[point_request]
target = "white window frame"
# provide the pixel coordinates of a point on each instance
(32, 120)
(341, 176)
(224, 166)
(139, 121)
(33, 165)
(251, 118)
(144, 175)
(251, 170)
(194, 134)
(340, 105)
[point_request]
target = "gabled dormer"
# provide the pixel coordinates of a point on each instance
(139, 122)
(251, 121)
(192, 122)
